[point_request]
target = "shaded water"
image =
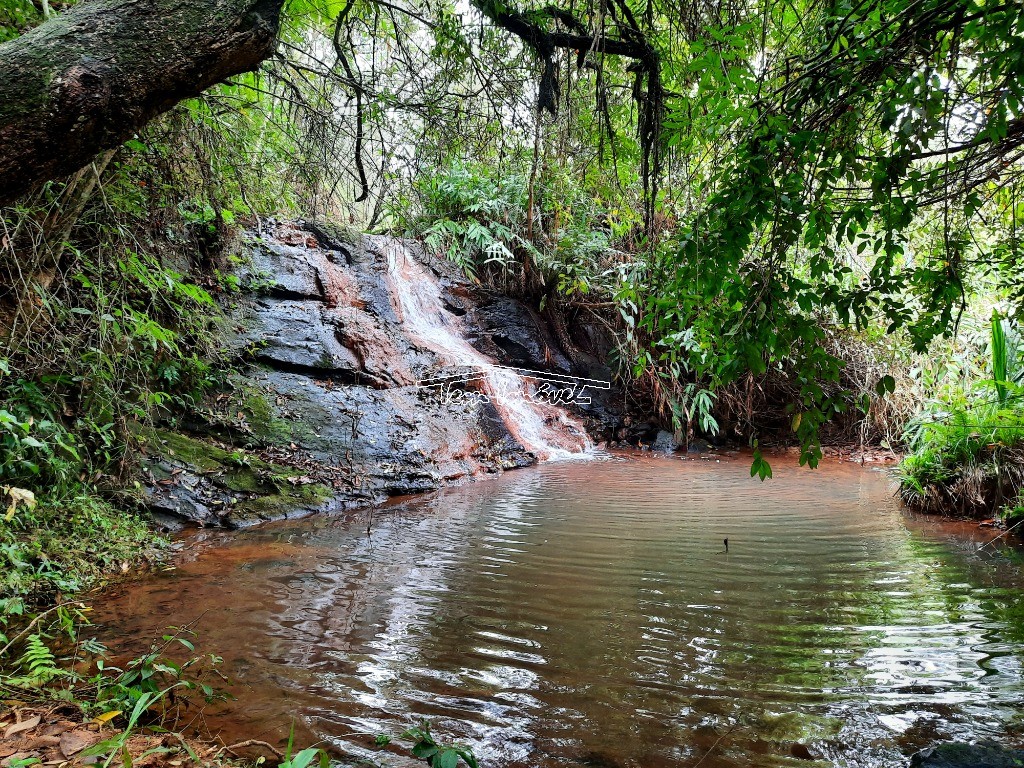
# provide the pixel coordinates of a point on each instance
(587, 614)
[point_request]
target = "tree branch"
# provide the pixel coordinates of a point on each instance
(89, 78)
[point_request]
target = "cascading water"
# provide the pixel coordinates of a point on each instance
(544, 429)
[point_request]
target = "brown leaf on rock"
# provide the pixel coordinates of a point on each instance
(55, 729)
(40, 742)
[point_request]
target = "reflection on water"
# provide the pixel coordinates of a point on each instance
(588, 614)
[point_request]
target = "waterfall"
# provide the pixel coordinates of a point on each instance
(546, 430)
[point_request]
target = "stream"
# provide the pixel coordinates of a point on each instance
(587, 613)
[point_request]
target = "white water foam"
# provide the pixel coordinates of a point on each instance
(546, 430)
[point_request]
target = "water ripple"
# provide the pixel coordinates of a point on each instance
(588, 614)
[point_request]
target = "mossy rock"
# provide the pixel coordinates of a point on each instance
(336, 237)
(277, 506)
(264, 422)
(187, 450)
(261, 417)
(258, 490)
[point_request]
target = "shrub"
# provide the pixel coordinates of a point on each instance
(966, 446)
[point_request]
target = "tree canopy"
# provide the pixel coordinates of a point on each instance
(755, 173)
(855, 160)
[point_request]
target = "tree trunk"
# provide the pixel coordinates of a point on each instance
(86, 80)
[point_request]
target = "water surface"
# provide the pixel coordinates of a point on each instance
(587, 614)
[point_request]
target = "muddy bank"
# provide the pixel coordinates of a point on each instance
(329, 339)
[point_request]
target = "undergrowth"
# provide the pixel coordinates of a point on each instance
(62, 546)
(52, 666)
(966, 446)
(109, 284)
(545, 235)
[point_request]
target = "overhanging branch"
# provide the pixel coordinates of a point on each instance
(86, 80)
(648, 92)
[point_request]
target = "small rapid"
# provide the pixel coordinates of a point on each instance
(545, 429)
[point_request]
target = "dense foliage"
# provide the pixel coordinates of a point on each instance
(774, 206)
(966, 445)
(108, 298)
(792, 169)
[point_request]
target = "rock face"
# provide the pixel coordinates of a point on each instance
(957, 755)
(510, 331)
(664, 442)
(325, 409)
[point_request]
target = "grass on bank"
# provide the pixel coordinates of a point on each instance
(966, 446)
(63, 546)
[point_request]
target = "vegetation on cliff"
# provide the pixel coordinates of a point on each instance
(780, 220)
(784, 213)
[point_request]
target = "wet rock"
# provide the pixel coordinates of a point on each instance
(517, 335)
(336, 239)
(195, 480)
(281, 270)
(699, 445)
(512, 332)
(172, 507)
(801, 751)
(295, 335)
(664, 442)
(325, 411)
(634, 432)
(397, 440)
(957, 755)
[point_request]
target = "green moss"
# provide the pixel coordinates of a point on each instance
(246, 481)
(338, 233)
(278, 505)
(315, 493)
(188, 450)
(262, 420)
(273, 485)
(243, 471)
(260, 417)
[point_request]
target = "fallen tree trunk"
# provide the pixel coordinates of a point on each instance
(85, 81)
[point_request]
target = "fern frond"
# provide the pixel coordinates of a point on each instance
(38, 661)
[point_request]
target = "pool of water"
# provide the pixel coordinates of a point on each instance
(588, 614)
